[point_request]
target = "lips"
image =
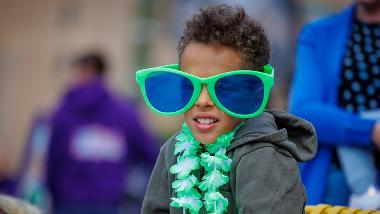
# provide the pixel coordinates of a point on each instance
(205, 122)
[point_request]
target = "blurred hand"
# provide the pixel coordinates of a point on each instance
(376, 135)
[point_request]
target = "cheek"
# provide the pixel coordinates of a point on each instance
(187, 115)
(230, 122)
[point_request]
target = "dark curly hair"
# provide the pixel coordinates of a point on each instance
(232, 27)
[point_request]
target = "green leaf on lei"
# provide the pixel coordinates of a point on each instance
(210, 162)
(187, 145)
(191, 201)
(182, 137)
(213, 180)
(184, 166)
(186, 130)
(221, 142)
(186, 184)
(215, 202)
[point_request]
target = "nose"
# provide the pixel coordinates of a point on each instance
(204, 99)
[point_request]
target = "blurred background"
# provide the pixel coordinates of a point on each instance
(39, 39)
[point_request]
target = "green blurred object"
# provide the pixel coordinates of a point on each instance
(143, 36)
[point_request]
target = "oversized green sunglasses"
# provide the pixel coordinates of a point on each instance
(241, 93)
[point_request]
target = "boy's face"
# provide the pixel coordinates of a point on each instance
(206, 121)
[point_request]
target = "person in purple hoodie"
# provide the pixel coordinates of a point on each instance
(95, 138)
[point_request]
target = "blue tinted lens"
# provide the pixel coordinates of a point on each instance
(241, 93)
(168, 92)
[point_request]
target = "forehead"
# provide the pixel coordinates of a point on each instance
(206, 60)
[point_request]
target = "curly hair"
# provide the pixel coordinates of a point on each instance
(228, 26)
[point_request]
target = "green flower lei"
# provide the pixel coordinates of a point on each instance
(215, 161)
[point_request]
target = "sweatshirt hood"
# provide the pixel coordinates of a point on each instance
(295, 135)
(86, 98)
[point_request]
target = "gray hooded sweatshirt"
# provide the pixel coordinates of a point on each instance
(264, 176)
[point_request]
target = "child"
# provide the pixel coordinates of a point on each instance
(231, 156)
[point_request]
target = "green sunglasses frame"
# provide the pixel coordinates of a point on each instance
(267, 77)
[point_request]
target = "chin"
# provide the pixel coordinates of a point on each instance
(205, 142)
(205, 139)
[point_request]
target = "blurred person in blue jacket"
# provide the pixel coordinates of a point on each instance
(96, 137)
(336, 84)
(30, 179)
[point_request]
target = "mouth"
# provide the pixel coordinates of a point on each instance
(205, 122)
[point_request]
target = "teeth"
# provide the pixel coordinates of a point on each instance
(205, 120)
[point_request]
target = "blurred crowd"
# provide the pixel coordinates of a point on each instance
(82, 156)
(74, 137)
